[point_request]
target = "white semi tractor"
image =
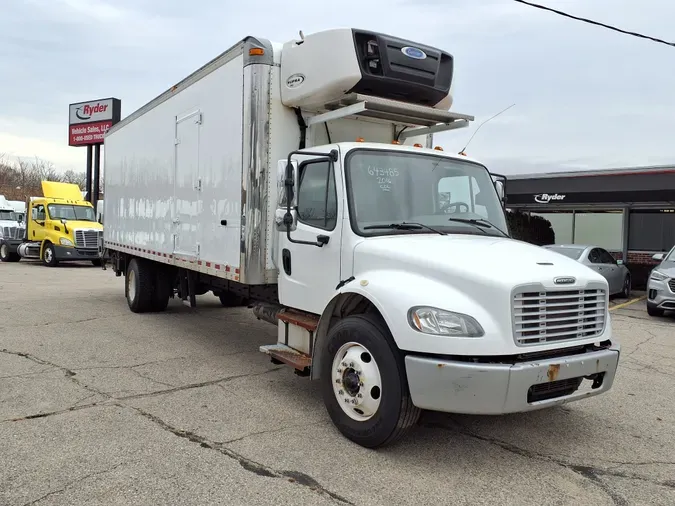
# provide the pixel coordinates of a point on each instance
(12, 229)
(302, 178)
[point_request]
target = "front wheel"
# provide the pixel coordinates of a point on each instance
(363, 382)
(626, 291)
(652, 310)
(49, 255)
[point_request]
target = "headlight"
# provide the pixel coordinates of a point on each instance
(658, 276)
(65, 242)
(431, 320)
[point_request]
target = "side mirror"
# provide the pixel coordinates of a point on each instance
(19, 219)
(499, 186)
(282, 194)
(658, 257)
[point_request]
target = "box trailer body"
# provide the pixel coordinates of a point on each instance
(301, 179)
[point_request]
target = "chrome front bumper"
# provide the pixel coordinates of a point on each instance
(494, 389)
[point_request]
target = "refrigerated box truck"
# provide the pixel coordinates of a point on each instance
(302, 179)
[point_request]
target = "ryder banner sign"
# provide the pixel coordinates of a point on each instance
(89, 121)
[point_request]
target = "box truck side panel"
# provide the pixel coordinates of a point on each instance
(173, 175)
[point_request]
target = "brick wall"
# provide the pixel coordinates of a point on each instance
(637, 257)
(639, 264)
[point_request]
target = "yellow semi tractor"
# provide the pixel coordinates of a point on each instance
(60, 226)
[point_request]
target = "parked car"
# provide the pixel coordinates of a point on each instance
(661, 285)
(599, 259)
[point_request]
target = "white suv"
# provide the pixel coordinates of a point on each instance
(661, 285)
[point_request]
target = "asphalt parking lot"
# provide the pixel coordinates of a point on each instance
(102, 406)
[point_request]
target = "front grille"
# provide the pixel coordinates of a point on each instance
(671, 285)
(559, 315)
(12, 232)
(86, 238)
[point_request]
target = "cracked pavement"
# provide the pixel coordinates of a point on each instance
(102, 406)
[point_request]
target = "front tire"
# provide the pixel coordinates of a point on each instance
(364, 384)
(652, 310)
(49, 255)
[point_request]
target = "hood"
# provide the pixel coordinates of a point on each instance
(467, 259)
(76, 224)
(667, 268)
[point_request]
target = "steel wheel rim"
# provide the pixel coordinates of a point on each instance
(48, 255)
(357, 383)
(131, 285)
(4, 251)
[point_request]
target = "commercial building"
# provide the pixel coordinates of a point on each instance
(630, 212)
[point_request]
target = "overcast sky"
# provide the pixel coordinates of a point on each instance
(585, 97)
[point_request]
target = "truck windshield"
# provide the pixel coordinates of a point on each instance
(8, 216)
(71, 212)
(387, 187)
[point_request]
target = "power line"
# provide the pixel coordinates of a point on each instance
(597, 23)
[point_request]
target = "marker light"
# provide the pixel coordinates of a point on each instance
(256, 51)
(462, 153)
(395, 142)
(360, 139)
(418, 145)
(438, 148)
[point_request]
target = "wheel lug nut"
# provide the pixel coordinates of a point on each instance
(341, 392)
(338, 381)
(339, 370)
(344, 364)
(360, 396)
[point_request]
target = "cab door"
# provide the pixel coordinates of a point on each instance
(309, 262)
(37, 225)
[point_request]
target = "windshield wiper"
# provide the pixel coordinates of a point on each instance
(479, 224)
(404, 225)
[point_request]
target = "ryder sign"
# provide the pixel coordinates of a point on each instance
(89, 121)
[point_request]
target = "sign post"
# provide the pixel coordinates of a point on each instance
(87, 124)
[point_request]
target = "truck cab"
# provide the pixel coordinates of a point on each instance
(60, 226)
(11, 231)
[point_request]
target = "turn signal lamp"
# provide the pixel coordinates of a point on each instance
(418, 145)
(256, 51)
(360, 139)
(438, 148)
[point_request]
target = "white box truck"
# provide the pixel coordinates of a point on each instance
(301, 179)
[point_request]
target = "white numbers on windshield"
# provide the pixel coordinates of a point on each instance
(384, 176)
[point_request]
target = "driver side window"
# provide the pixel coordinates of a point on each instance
(39, 213)
(317, 196)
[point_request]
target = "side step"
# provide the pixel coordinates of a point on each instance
(282, 354)
(295, 339)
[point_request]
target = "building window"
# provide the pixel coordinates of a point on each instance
(562, 223)
(652, 230)
(599, 228)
